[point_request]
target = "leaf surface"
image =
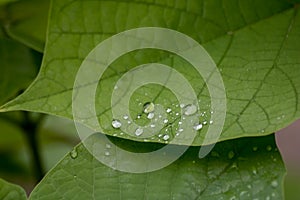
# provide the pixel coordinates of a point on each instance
(9, 191)
(253, 43)
(246, 168)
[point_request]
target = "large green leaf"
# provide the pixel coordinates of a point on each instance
(11, 192)
(254, 43)
(247, 168)
(26, 22)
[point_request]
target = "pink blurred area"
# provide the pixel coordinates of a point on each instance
(288, 142)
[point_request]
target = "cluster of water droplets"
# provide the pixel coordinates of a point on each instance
(171, 120)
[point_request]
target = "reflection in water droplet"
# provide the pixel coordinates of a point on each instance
(139, 131)
(211, 122)
(148, 107)
(106, 153)
(190, 109)
(74, 153)
(152, 125)
(166, 137)
(150, 115)
(116, 123)
(125, 117)
(197, 127)
(166, 121)
(169, 110)
(274, 184)
(269, 148)
(230, 154)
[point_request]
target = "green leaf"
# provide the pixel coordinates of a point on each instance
(26, 22)
(18, 68)
(9, 191)
(254, 43)
(246, 168)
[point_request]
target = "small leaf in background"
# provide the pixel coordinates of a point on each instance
(18, 68)
(9, 191)
(26, 22)
(246, 168)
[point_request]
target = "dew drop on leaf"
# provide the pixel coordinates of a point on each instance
(197, 127)
(74, 153)
(190, 109)
(269, 148)
(150, 115)
(116, 123)
(274, 184)
(230, 154)
(148, 107)
(139, 131)
(166, 137)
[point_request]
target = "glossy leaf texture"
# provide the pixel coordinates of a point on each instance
(253, 43)
(246, 168)
(9, 191)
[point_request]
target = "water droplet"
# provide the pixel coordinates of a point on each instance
(148, 107)
(273, 194)
(116, 87)
(274, 184)
(129, 122)
(166, 137)
(182, 105)
(233, 198)
(269, 148)
(106, 153)
(150, 115)
(180, 122)
(190, 109)
(180, 130)
(230, 154)
(177, 114)
(230, 33)
(204, 123)
(166, 121)
(139, 117)
(215, 154)
(197, 127)
(125, 117)
(139, 131)
(243, 193)
(211, 122)
(254, 171)
(152, 125)
(108, 146)
(116, 123)
(255, 148)
(268, 198)
(169, 110)
(74, 153)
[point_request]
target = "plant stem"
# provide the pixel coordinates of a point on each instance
(30, 128)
